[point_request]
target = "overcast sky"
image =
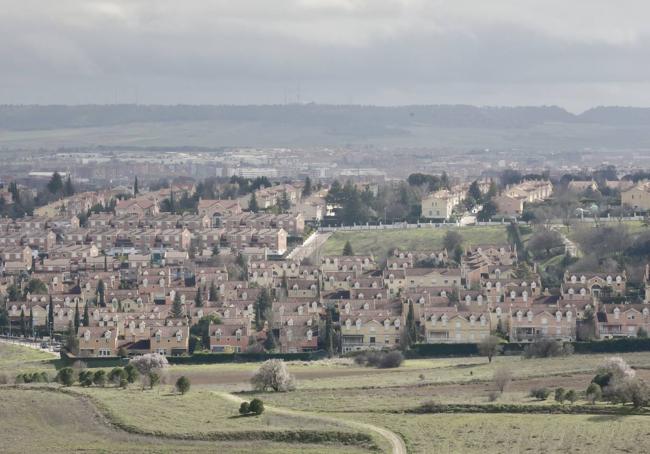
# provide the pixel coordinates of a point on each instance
(572, 53)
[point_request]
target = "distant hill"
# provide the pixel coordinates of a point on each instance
(543, 127)
(54, 117)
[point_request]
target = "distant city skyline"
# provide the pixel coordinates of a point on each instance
(575, 55)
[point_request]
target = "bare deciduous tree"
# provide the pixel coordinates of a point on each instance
(273, 374)
(502, 378)
(490, 346)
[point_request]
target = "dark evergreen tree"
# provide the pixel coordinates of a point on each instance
(198, 299)
(475, 191)
(23, 327)
(76, 318)
(86, 320)
(328, 342)
(68, 189)
(307, 189)
(31, 322)
(262, 305)
(55, 185)
(136, 189)
(252, 204)
(214, 293)
(50, 316)
(347, 249)
(411, 328)
(177, 306)
(101, 292)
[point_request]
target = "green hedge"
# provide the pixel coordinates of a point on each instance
(432, 408)
(624, 345)
(220, 358)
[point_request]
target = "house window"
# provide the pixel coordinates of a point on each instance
(372, 340)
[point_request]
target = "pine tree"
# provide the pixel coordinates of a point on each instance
(347, 249)
(475, 192)
(23, 328)
(55, 185)
(177, 306)
(76, 317)
(136, 189)
(198, 299)
(252, 204)
(86, 320)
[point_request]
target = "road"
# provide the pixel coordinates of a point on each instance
(310, 246)
(395, 441)
(28, 344)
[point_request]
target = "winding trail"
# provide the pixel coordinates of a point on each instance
(395, 441)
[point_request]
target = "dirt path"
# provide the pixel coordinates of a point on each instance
(396, 442)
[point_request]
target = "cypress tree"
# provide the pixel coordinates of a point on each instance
(329, 333)
(411, 329)
(76, 317)
(136, 190)
(347, 248)
(252, 204)
(31, 322)
(177, 306)
(214, 293)
(262, 304)
(198, 300)
(50, 317)
(22, 323)
(86, 320)
(100, 293)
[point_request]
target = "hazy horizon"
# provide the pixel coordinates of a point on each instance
(353, 52)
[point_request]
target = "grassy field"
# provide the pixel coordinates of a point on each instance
(40, 421)
(196, 412)
(331, 396)
(16, 359)
(480, 433)
(380, 242)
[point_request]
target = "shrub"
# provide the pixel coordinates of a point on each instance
(560, 395)
(154, 379)
(540, 393)
(244, 408)
(65, 376)
(380, 359)
(44, 377)
(256, 406)
(116, 375)
(594, 392)
(571, 396)
(20, 378)
(502, 378)
(4, 379)
(273, 374)
(99, 378)
(391, 360)
(493, 396)
(547, 348)
(131, 373)
(183, 384)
